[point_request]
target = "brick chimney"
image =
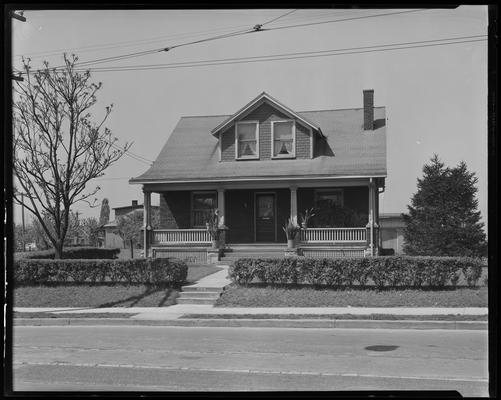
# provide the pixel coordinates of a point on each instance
(134, 203)
(368, 110)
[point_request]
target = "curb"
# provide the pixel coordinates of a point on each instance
(259, 323)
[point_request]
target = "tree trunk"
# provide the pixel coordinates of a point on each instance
(131, 249)
(58, 250)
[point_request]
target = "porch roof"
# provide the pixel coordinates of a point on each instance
(191, 152)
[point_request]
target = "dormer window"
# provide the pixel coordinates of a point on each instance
(247, 140)
(283, 137)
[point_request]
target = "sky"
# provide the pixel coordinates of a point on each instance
(435, 96)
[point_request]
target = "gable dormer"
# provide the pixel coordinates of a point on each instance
(265, 129)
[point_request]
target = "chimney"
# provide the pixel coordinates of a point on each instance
(368, 110)
(134, 203)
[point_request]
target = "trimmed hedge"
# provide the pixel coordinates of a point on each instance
(379, 271)
(71, 253)
(159, 271)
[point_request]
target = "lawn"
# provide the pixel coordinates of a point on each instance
(378, 317)
(105, 295)
(259, 296)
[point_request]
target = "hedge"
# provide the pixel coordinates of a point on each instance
(159, 271)
(71, 253)
(378, 271)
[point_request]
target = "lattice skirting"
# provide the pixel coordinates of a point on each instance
(189, 255)
(332, 253)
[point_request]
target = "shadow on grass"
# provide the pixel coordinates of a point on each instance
(137, 298)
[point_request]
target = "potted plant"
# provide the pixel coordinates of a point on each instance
(305, 218)
(212, 225)
(291, 229)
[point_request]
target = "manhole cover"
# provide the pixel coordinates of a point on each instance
(381, 347)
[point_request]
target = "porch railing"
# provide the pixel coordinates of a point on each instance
(181, 236)
(333, 235)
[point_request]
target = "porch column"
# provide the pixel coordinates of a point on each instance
(220, 206)
(147, 223)
(293, 190)
(372, 225)
(222, 219)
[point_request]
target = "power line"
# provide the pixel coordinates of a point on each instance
(136, 157)
(298, 55)
(129, 43)
(274, 19)
(236, 33)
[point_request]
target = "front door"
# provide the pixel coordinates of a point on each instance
(265, 217)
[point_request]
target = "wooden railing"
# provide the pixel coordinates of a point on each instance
(181, 236)
(333, 235)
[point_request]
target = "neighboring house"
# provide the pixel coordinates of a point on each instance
(391, 228)
(108, 236)
(267, 162)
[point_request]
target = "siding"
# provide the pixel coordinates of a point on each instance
(265, 114)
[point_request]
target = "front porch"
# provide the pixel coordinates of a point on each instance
(254, 216)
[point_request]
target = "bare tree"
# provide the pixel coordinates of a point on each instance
(58, 147)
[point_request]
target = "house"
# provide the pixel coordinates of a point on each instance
(264, 164)
(391, 228)
(109, 238)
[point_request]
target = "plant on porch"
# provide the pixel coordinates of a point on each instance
(213, 227)
(305, 218)
(291, 229)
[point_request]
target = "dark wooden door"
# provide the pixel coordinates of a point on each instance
(265, 217)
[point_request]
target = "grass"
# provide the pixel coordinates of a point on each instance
(105, 295)
(259, 296)
(94, 296)
(386, 317)
(71, 315)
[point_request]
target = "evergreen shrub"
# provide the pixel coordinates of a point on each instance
(401, 271)
(91, 253)
(158, 271)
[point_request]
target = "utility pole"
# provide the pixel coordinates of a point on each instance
(24, 232)
(22, 18)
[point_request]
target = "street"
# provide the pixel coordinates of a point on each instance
(161, 358)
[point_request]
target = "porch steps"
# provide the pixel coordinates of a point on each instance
(253, 251)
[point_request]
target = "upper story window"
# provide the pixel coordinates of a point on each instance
(283, 136)
(247, 140)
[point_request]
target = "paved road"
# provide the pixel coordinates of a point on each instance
(160, 358)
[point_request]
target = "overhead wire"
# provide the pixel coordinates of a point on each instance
(232, 34)
(297, 55)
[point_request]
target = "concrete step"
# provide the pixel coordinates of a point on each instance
(194, 300)
(201, 289)
(200, 295)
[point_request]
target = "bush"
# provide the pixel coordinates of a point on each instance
(71, 253)
(159, 271)
(400, 271)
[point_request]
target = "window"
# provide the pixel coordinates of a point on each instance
(247, 140)
(203, 204)
(283, 135)
(330, 197)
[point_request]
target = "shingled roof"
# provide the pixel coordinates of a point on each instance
(191, 152)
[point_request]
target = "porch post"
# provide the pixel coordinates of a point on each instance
(373, 217)
(293, 190)
(222, 219)
(220, 206)
(370, 224)
(147, 223)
